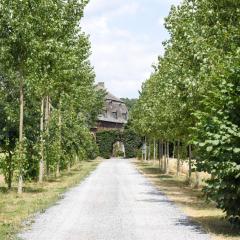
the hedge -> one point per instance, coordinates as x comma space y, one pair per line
106, 139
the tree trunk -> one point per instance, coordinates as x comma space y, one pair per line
159, 155
58, 169
197, 182
47, 114
162, 155
41, 163
145, 150
165, 157
178, 158
168, 157
60, 141
174, 148
20, 179
154, 150
10, 170
190, 163
76, 159
149, 151
69, 167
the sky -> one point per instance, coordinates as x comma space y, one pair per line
126, 38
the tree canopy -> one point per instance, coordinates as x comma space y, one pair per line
194, 94
48, 101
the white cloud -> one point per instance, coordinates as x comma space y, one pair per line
112, 8
122, 57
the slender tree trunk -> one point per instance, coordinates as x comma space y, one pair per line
178, 158
162, 155
41, 163
58, 169
60, 141
47, 114
69, 167
149, 150
20, 178
10, 170
159, 155
165, 157
154, 150
168, 155
190, 163
76, 159
174, 149
197, 183
145, 150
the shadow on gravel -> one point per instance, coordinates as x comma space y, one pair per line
189, 223
152, 200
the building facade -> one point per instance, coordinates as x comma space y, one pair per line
114, 114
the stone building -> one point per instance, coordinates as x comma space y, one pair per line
115, 112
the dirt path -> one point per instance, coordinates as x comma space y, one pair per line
114, 203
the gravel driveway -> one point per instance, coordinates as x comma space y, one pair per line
114, 203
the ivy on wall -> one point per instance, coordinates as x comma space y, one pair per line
132, 143
106, 139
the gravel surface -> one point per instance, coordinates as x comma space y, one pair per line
115, 202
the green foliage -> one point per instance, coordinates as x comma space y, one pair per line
193, 96
132, 142
45, 53
129, 103
106, 139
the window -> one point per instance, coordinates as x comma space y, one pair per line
124, 115
105, 113
114, 114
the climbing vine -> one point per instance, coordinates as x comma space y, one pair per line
106, 139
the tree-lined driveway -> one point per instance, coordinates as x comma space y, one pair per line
114, 203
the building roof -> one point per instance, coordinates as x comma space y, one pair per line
110, 96
115, 110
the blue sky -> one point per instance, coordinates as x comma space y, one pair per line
126, 38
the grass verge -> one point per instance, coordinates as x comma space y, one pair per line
15, 209
191, 201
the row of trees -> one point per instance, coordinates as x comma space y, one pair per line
48, 102
193, 97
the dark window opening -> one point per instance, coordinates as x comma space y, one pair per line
105, 113
124, 115
114, 114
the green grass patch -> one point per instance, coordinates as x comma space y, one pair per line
14, 209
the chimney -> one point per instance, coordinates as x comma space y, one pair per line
101, 85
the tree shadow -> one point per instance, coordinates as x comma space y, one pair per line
4, 190
219, 225
33, 190
185, 221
